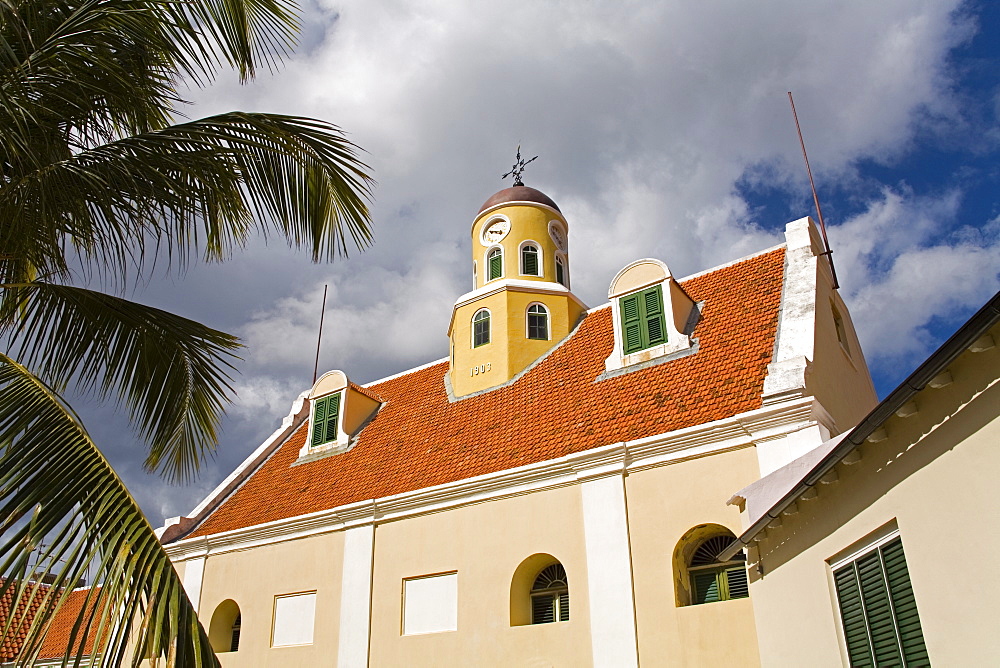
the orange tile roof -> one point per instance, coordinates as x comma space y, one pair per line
56, 638
418, 439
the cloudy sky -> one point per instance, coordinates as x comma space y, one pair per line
663, 130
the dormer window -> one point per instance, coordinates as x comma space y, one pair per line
529, 260
653, 315
339, 411
326, 418
642, 323
494, 263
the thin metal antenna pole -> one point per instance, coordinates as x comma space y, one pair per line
819, 212
319, 337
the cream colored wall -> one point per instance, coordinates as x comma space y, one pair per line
663, 504
254, 577
526, 222
357, 409
484, 543
839, 378
936, 477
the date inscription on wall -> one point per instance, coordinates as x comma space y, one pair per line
481, 368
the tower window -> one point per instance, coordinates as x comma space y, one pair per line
642, 320
495, 262
538, 322
325, 419
529, 260
714, 581
480, 328
561, 271
550, 596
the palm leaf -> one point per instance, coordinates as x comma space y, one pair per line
170, 373
57, 488
202, 185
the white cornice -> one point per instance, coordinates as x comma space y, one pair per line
613, 459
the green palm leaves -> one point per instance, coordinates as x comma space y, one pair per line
94, 179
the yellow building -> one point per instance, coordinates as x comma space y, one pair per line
550, 494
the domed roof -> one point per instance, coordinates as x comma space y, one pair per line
519, 194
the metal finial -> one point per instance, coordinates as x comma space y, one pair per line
518, 169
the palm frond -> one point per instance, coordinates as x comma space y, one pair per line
171, 373
56, 488
202, 185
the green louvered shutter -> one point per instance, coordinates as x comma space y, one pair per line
706, 587
878, 610
911, 636
496, 265
652, 302
543, 609
564, 606
736, 583
852, 615
319, 420
560, 275
530, 260
332, 419
631, 324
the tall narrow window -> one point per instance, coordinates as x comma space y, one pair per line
714, 581
538, 322
495, 262
529, 260
234, 636
878, 610
838, 324
642, 319
561, 271
480, 328
326, 414
550, 596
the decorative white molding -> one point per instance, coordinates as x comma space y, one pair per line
701, 440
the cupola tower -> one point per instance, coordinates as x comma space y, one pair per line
521, 305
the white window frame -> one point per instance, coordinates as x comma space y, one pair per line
472, 330
486, 264
548, 322
538, 252
563, 259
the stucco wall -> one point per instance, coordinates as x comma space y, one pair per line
254, 577
484, 543
664, 503
935, 476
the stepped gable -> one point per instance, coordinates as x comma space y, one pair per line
418, 439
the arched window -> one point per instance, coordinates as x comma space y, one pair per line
562, 276
481, 328
712, 580
224, 629
529, 260
550, 596
538, 322
494, 261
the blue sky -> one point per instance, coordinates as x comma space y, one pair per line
663, 130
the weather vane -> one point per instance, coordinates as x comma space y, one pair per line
518, 168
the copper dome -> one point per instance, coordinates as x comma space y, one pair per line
519, 194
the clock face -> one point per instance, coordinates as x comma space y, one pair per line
495, 231
558, 236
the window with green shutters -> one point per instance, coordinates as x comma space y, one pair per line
326, 413
713, 581
529, 260
495, 264
878, 610
561, 271
642, 319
